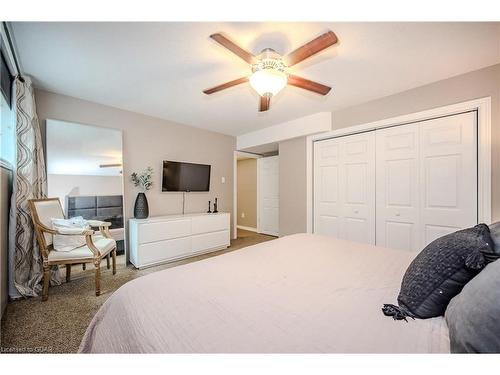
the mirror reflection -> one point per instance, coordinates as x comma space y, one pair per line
84, 170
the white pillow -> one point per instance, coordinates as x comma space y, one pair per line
75, 225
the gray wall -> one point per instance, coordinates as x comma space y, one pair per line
147, 141
473, 85
247, 192
292, 186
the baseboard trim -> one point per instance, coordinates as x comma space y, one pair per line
250, 229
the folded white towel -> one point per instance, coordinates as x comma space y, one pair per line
73, 227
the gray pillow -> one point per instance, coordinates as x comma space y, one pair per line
473, 316
495, 235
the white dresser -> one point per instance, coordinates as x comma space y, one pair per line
167, 238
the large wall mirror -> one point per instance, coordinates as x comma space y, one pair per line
84, 170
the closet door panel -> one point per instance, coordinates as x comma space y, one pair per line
397, 221
448, 176
344, 187
327, 205
359, 187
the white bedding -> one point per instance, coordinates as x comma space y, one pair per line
301, 293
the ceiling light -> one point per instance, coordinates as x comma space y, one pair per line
269, 74
268, 81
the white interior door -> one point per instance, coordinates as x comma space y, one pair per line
397, 193
268, 195
448, 175
344, 185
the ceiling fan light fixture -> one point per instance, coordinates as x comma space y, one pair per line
269, 74
270, 69
268, 81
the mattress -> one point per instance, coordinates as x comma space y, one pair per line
297, 294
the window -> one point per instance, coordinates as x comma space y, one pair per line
7, 117
6, 79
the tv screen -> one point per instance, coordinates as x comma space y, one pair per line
178, 176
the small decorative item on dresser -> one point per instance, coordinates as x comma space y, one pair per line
144, 180
215, 206
209, 211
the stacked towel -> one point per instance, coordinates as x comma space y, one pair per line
72, 227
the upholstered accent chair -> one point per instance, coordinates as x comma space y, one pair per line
97, 246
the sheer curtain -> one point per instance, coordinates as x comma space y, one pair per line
30, 181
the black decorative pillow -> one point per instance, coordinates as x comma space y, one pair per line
473, 316
440, 272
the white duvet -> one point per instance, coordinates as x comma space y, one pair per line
297, 294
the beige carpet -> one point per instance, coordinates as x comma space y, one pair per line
58, 325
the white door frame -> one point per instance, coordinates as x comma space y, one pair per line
483, 107
235, 188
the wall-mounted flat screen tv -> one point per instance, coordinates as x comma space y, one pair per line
179, 176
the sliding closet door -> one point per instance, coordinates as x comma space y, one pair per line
344, 180
448, 175
397, 193
426, 180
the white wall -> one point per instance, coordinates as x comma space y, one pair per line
61, 185
307, 125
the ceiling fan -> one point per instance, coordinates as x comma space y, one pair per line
270, 69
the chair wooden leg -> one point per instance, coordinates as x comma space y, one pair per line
98, 278
84, 266
68, 273
108, 266
46, 280
114, 261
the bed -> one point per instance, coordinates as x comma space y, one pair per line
297, 294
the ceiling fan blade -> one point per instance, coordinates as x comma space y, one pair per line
265, 102
314, 46
308, 85
226, 85
237, 50
110, 165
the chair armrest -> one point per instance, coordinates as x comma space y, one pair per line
74, 232
86, 232
98, 223
103, 227
66, 232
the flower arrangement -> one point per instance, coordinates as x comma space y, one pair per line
144, 179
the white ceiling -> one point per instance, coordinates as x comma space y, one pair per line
160, 69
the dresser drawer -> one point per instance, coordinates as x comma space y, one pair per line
164, 250
151, 232
210, 223
209, 241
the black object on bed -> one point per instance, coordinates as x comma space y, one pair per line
440, 272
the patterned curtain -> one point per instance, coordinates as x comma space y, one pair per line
30, 181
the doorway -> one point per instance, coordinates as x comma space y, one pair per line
256, 195
245, 194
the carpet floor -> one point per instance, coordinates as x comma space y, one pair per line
58, 325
